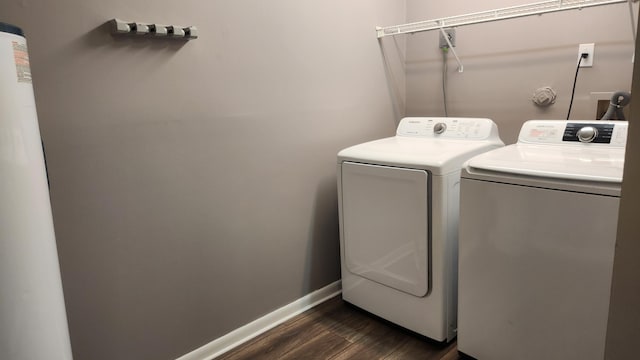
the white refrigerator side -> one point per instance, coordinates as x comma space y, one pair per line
33, 322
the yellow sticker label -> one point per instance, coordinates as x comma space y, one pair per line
21, 59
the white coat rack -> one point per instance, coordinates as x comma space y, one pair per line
121, 27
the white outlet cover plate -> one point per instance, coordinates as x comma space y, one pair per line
586, 48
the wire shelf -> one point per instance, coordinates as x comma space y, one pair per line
493, 15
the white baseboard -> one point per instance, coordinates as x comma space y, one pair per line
249, 331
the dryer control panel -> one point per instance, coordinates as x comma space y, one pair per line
602, 133
447, 128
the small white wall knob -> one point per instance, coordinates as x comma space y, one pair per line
544, 96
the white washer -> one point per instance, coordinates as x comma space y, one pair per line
538, 226
398, 201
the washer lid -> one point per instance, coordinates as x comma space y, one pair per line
577, 163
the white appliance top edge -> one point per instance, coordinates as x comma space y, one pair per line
600, 164
437, 155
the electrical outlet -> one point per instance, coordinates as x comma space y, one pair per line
588, 49
451, 34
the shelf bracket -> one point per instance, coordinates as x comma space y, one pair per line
460, 67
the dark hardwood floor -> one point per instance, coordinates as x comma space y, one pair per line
337, 330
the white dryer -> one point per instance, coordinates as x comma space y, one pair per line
538, 226
398, 201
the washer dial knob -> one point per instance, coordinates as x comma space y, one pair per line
439, 128
587, 134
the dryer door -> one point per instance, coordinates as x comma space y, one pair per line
386, 225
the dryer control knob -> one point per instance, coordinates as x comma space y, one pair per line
439, 128
587, 134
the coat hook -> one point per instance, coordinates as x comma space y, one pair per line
121, 27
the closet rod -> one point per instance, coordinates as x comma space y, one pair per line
493, 15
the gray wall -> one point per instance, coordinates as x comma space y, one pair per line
193, 184
505, 61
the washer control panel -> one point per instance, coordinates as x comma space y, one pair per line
588, 132
603, 133
447, 128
